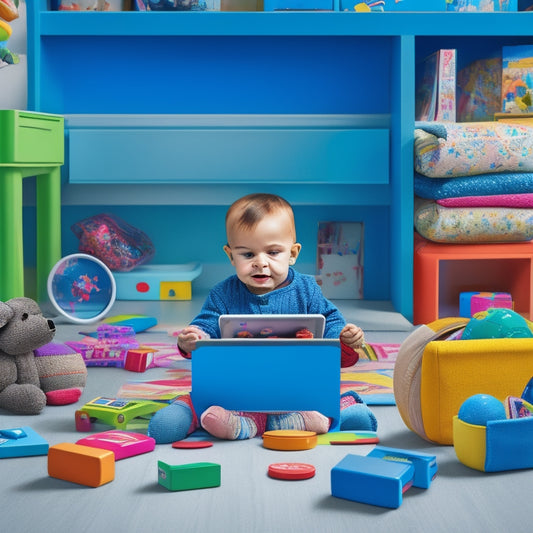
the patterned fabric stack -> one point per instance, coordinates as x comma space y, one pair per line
474, 182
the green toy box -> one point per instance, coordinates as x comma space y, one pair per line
29, 137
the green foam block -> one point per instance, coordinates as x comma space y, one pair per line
188, 476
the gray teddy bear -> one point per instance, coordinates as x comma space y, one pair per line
23, 328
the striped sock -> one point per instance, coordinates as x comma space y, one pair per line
232, 425
299, 420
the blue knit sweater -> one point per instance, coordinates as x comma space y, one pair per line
301, 295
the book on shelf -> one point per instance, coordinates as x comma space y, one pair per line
436, 87
479, 89
340, 259
517, 79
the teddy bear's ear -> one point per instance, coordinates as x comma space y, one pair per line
23, 304
6, 314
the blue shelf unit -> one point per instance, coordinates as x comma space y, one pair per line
178, 114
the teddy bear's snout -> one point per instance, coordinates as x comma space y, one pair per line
51, 325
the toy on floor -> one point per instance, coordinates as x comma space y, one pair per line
139, 323
23, 328
116, 346
471, 303
492, 436
291, 471
289, 439
81, 464
434, 375
383, 476
109, 349
188, 476
348, 437
191, 444
496, 323
114, 412
81, 288
21, 442
122, 443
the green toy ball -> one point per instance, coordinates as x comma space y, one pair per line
480, 409
496, 324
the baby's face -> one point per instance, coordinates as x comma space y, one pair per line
261, 256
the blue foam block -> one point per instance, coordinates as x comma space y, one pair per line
21, 442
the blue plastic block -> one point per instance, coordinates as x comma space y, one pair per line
21, 442
371, 480
425, 465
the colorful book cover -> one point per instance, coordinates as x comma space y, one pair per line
340, 260
517, 79
517, 407
436, 87
446, 86
479, 87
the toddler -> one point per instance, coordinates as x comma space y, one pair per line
262, 246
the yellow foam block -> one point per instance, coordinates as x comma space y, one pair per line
81, 464
452, 371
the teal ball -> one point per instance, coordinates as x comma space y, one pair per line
480, 409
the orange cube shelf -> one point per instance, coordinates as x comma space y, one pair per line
443, 271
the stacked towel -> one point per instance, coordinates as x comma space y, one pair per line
474, 182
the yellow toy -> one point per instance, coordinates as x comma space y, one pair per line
434, 376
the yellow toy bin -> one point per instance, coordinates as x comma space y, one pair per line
433, 377
498, 446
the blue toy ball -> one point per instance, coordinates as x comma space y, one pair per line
496, 324
480, 409
81, 288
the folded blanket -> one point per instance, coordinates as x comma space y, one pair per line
484, 184
494, 200
472, 224
472, 148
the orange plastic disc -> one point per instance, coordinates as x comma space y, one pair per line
289, 439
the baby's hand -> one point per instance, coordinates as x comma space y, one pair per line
188, 337
353, 336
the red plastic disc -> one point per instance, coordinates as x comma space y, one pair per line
189, 444
291, 471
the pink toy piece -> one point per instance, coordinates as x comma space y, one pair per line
109, 349
485, 300
63, 396
474, 302
122, 443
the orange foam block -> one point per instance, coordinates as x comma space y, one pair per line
81, 464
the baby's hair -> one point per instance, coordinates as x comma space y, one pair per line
246, 212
